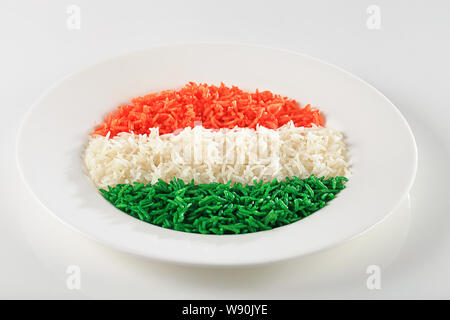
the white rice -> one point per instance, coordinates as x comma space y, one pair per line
205, 155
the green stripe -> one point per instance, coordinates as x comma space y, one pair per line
218, 208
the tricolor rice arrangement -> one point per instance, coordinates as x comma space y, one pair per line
217, 160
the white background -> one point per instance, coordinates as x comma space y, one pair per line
408, 60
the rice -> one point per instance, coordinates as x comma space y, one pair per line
217, 155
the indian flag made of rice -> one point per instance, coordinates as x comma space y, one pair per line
216, 159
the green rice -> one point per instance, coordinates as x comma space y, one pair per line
217, 208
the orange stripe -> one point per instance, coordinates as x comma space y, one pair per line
216, 107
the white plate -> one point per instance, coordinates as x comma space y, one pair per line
53, 136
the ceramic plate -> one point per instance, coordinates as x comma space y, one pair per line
382, 151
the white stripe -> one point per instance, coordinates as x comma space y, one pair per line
205, 155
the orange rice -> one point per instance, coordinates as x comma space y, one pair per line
215, 107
